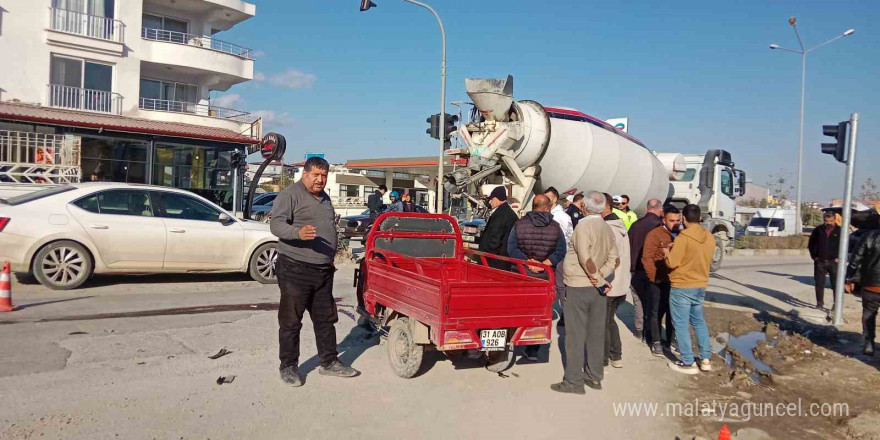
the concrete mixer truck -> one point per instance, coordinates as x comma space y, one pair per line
530, 147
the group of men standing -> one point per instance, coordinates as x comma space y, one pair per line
600, 251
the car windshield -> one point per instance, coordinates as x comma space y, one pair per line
36, 195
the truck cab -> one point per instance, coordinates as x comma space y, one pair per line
712, 182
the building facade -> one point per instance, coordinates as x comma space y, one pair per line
120, 90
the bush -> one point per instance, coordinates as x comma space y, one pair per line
758, 242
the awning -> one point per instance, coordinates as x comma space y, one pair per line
411, 165
349, 179
14, 111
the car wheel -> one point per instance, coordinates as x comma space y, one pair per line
262, 264
63, 265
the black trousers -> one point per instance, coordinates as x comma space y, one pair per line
870, 304
305, 287
613, 350
659, 301
821, 270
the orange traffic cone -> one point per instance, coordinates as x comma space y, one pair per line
5, 289
724, 434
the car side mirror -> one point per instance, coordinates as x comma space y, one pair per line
225, 219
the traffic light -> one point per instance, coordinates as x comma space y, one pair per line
434, 129
837, 149
367, 4
449, 127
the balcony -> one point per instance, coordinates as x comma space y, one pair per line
75, 98
202, 41
83, 31
195, 109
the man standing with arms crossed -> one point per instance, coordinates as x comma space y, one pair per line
303, 220
641, 292
688, 264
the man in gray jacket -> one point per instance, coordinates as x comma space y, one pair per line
303, 219
593, 258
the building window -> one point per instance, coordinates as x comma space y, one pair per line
157, 27
203, 170
374, 173
80, 84
403, 176
114, 160
349, 191
370, 190
168, 96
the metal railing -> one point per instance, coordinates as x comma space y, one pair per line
194, 109
348, 201
29, 158
78, 23
198, 41
84, 99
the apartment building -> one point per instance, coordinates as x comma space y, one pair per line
120, 90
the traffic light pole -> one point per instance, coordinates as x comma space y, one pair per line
846, 213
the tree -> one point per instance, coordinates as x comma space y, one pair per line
870, 190
780, 187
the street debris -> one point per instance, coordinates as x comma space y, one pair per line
220, 354
78, 333
225, 379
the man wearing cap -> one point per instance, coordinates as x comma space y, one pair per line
621, 209
497, 231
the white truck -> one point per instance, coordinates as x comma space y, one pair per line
530, 147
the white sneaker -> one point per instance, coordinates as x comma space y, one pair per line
683, 368
705, 365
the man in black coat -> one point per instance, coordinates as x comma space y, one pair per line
374, 202
638, 231
824, 244
864, 268
497, 231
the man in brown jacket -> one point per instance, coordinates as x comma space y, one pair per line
657, 243
591, 261
689, 262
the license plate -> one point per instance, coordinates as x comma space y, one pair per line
468, 238
494, 340
469, 230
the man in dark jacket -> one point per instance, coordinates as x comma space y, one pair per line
539, 239
865, 269
638, 231
576, 209
497, 231
657, 243
824, 244
374, 201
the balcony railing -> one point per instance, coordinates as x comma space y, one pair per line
198, 41
195, 109
76, 98
72, 22
29, 158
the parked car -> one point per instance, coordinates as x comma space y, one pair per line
358, 225
471, 231
262, 213
63, 235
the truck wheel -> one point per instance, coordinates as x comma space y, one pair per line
405, 355
498, 361
718, 257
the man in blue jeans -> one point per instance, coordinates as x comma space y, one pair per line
688, 261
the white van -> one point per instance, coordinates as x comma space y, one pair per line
773, 222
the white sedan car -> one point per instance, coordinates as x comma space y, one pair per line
63, 235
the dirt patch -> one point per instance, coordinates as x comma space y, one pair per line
818, 385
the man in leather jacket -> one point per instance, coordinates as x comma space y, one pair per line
864, 268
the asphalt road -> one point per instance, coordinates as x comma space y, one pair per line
127, 357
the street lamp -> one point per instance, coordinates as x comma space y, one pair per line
366, 5
803, 52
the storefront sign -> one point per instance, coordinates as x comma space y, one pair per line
273, 146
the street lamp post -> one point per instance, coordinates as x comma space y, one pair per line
367, 4
803, 52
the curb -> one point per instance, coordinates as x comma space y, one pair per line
770, 252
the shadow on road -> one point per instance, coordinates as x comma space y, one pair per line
37, 304
803, 279
776, 294
160, 278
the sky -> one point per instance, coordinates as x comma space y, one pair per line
690, 75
